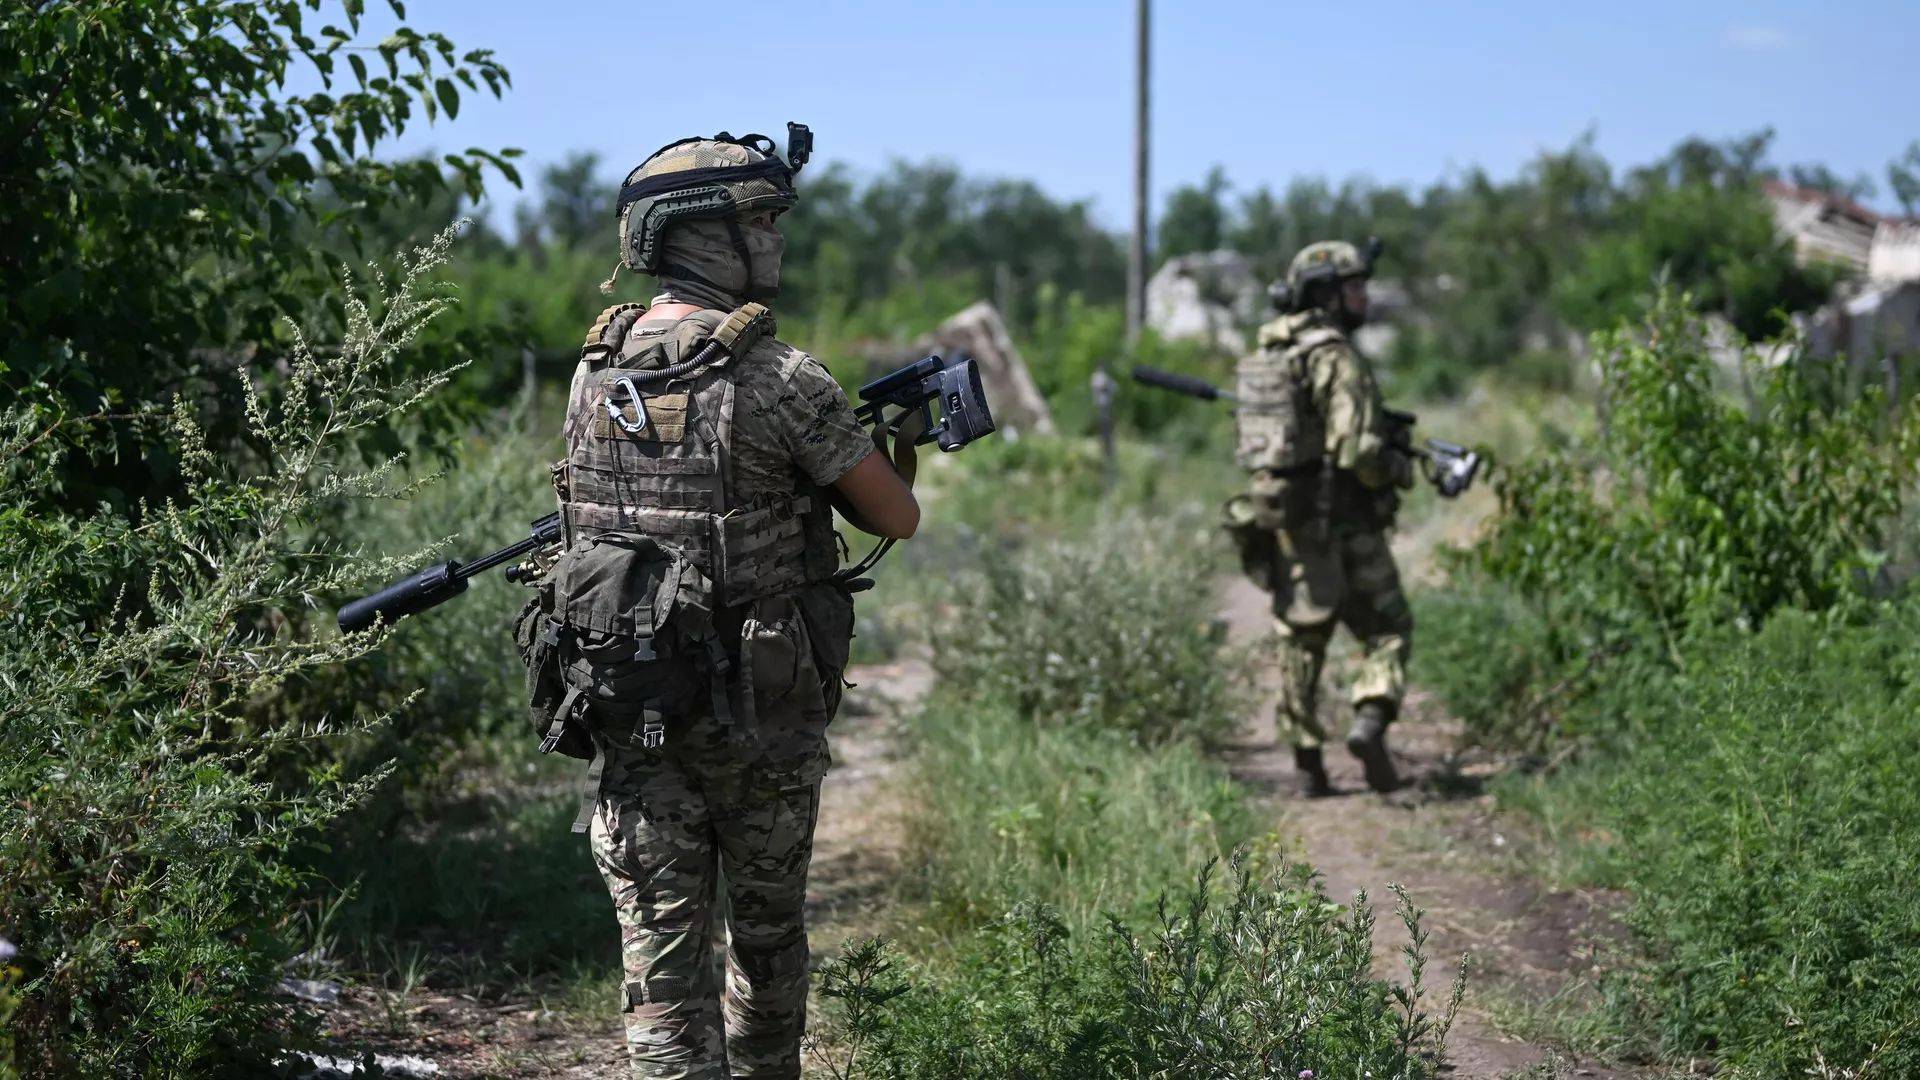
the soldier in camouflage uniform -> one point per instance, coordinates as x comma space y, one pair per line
708, 748
1325, 469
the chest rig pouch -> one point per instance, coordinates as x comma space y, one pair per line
668, 590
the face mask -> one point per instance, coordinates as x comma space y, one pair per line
765, 247
699, 263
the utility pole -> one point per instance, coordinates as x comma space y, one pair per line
1137, 251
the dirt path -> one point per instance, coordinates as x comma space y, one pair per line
458, 1036
1440, 838
1444, 841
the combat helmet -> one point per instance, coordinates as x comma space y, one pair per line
1327, 260
722, 177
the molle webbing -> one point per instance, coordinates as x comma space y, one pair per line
661, 465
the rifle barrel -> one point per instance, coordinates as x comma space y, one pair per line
1181, 384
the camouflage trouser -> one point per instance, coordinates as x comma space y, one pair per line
1347, 579
668, 839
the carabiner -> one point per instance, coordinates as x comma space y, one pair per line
618, 414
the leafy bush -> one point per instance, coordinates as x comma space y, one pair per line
1757, 810
1113, 632
187, 199
1695, 594
147, 808
1693, 505
1264, 979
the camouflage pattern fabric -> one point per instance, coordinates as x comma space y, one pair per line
673, 828
1326, 580
701, 824
791, 422
699, 264
1330, 505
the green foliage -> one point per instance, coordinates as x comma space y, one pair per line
1694, 505
147, 805
850, 244
456, 664
1112, 632
169, 200
1264, 978
1195, 218
1692, 594
1085, 821
1755, 807
1718, 244
1903, 179
1500, 271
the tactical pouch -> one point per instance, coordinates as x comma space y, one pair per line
774, 651
632, 625
828, 613
550, 707
1361, 507
1255, 543
761, 552
1284, 500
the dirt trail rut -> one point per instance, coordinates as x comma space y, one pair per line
1442, 840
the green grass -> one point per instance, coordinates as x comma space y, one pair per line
1085, 821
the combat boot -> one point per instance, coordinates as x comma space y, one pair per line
1368, 742
1313, 772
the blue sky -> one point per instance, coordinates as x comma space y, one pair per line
1400, 92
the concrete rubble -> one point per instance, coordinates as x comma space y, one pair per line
1208, 296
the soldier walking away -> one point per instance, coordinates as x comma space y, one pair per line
1325, 472
690, 638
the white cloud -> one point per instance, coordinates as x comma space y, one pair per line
1759, 39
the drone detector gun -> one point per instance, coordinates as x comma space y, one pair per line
962, 413
1451, 467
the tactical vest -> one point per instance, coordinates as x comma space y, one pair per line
649, 451
1279, 430
669, 586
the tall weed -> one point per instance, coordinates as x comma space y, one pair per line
1757, 807
1698, 594
1695, 504
148, 804
1112, 632
1083, 820
1262, 978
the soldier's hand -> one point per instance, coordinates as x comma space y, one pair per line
1400, 468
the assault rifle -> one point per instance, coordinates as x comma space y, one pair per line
1449, 467
441, 582
962, 416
